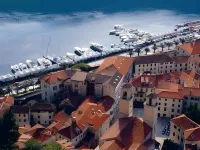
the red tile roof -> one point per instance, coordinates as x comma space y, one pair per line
112, 145
129, 131
192, 134
93, 113
192, 48
169, 94
184, 122
121, 63
43, 107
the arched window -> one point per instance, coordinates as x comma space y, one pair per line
124, 94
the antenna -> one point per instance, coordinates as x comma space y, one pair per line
48, 45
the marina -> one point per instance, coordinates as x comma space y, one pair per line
131, 39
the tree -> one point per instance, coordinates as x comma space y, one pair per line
193, 113
169, 145
2, 93
168, 45
154, 48
162, 46
130, 52
138, 51
176, 43
8, 90
51, 147
32, 145
147, 50
8, 131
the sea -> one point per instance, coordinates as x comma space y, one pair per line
27, 25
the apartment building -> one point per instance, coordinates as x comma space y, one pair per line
21, 115
185, 132
161, 63
53, 84
43, 113
189, 49
96, 115
124, 65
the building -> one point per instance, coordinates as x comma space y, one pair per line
96, 115
126, 101
185, 132
43, 113
161, 63
53, 84
128, 133
22, 115
189, 49
124, 65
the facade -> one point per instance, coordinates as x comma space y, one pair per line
43, 113
185, 132
53, 84
21, 114
126, 101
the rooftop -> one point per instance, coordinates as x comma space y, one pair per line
192, 134
20, 109
122, 64
129, 131
192, 48
184, 122
43, 107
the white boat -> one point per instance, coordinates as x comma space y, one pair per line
31, 64
117, 27
79, 51
112, 32
44, 62
96, 47
15, 68
22, 66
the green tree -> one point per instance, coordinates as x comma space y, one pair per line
8, 131
147, 50
154, 48
170, 145
2, 93
193, 113
51, 147
130, 53
32, 145
168, 45
138, 51
176, 43
162, 46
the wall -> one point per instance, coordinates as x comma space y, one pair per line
45, 117
22, 119
169, 104
176, 134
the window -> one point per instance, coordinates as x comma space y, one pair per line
158, 108
173, 100
179, 130
179, 101
158, 114
19, 115
165, 104
172, 110
19, 120
49, 122
179, 106
54, 94
76, 84
24, 115
178, 111
39, 122
165, 99
61, 85
178, 137
24, 120
49, 117
172, 105
45, 93
38, 116
173, 133
174, 127
172, 116
55, 88
165, 109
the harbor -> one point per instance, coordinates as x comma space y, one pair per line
131, 40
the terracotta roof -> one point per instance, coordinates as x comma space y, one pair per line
169, 94
7, 99
159, 58
79, 76
61, 116
192, 48
192, 134
65, 144
121, 63
24, 137
184, 122
23, 129
70, 132
97, 78
112, 145
32, 130
20, 109
193, 74
181, 59
146, 145
92, 113
43, 107
129, 131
